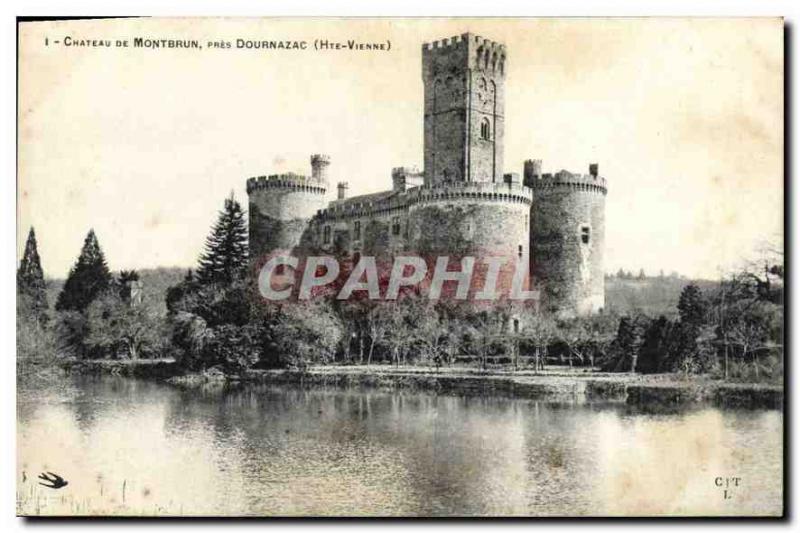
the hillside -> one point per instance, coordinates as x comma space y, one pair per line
155, 283
652, 295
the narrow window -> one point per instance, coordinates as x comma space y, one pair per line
357, 230
395, 226
485, 130
326, 235
519, 252
516, 325
585, 234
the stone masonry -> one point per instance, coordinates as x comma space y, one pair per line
462, 203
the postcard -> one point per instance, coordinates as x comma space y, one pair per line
400, 267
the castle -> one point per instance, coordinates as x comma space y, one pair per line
462, 203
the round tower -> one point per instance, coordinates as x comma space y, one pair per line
485, 221
282, 205
567, 239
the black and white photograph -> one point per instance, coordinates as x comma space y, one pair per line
400, 267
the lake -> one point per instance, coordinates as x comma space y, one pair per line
145, 448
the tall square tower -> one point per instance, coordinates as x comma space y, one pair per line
464, 86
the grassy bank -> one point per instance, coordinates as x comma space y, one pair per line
656, 392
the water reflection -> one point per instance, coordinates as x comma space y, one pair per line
134, 447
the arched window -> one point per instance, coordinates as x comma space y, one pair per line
486, 132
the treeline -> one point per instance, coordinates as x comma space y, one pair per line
732, 330
214, 319
642, 275
96, 314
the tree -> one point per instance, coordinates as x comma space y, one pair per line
31, 293
755, 328
656, 346
693, 311
72, 328
602, 330
225, 257
576, 336
624, 350
431, 334
216, 304
377, 322
540, 332
692, 306
88, 278
301, 334
118, 329
483, 329
402, 321
233, 348
189, 336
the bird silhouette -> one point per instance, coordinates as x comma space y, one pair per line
54, 481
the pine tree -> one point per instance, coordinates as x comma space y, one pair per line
225, 256
692, 306
30, 280
87, 279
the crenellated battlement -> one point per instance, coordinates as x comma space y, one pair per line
564, 178
461, 202
462, 41
467, 49
358, 207
317, 159
512, 193
502, 192
289, 180
405, 171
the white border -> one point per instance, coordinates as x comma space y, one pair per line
10, 9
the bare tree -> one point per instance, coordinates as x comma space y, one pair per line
540, 332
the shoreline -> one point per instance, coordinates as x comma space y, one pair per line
656, 392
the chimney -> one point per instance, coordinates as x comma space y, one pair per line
341, 190
398, 179
593, 169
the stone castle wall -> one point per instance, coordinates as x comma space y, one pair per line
280, 209
567, 270
464, 87
554, 224
455, 220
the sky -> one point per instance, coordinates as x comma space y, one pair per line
684, 117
